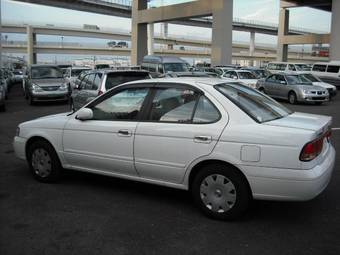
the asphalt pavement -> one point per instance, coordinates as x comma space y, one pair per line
90, 214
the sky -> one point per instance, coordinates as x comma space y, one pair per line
258, 10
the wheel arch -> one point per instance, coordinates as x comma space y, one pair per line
199, 165
35, 138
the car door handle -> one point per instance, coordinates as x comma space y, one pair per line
124, 133
202, 139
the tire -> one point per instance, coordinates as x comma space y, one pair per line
30, 100
43, 162
229, 196
292, 97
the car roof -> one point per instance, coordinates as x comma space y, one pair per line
208, 81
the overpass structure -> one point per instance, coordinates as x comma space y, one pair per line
240, 51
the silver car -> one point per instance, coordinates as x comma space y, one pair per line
97, 82
45, 83
291, 88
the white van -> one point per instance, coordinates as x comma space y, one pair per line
276, 67
328, 72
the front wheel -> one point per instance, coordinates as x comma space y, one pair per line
221, 192
43, 161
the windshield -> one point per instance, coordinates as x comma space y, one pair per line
175, 67
302, 67
114, 79
258, 106
246, 75
46, 72
310, 77
297, 79
76, 72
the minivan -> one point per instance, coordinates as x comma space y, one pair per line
328, 72
157, 65
276, 67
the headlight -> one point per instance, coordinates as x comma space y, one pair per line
36, 88
306, 91
17, 132
63, 87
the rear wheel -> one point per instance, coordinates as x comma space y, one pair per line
292, 97
221, 192
43, 161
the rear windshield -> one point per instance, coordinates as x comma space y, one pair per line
114, 79
246, 75
258, 106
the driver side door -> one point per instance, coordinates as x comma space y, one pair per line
105, 142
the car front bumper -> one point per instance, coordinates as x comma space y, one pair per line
314, 98
290, 184
50, 96
19, 145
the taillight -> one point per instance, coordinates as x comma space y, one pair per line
313, 149
100, 92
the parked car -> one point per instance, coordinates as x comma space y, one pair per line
17, 76
72, 73
328, 72
97, 82
158, 65
276, 67
222, 70
221, 140
308, 77
243, 76
258, 72
291, 88
45, 83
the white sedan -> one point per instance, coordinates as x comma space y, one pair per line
223, 141
244, 76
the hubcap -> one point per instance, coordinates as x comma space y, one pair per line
218, 193
41, 162
292, 98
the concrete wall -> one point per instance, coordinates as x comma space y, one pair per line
335, 31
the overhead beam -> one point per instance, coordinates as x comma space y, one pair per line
306, 39
195, 9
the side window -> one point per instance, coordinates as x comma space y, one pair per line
233, 74
83, 81
319, 68
124, 105
280, 79
205, 112
96, 82
89, 81
333, 69
291, 67
153, 68
227, 75
271, 78
145, 66
173, 105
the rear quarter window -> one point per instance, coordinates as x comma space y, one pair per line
333, 69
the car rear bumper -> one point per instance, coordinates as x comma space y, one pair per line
19, 145
290, 184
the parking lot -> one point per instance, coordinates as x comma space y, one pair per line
89, 214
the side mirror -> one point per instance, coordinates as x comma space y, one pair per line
84, 114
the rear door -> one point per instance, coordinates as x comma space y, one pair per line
181, 124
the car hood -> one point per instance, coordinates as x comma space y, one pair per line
48, 82
311, 87
313, 122
324, 85
55, 121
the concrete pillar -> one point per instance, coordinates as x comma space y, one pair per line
150, 38
282, 49
252, 47
222, 26
165, 30
335, 35
31, 40
139, 34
